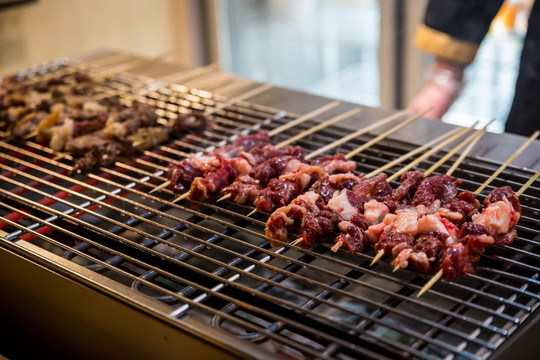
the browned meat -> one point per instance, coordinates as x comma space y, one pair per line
318, 225
439, 187
426, 251
465, 205
287, 217
409, 182
243, 189
329, 184
376, 188
455, 261
202, 187
335, 164
390, 239
352, 238
60, 110
498, 194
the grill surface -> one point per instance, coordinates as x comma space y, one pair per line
210, 262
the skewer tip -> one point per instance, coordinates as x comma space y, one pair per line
396, 268
297, 241
160, 187
337, 246
181, 197
224, 197
430, 283
377, 257
30, 135
253, 212
58, 157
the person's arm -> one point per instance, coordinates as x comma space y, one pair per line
441, 90
452, 32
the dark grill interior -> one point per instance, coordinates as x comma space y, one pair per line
211, 262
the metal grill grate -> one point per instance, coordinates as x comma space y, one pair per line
211, 262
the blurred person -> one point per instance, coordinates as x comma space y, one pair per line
452, 31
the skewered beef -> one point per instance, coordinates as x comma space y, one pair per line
68, 113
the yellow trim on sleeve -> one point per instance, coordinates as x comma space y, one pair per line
444, 45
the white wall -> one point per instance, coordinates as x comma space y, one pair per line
48, 29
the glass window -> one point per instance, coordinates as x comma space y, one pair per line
324, 47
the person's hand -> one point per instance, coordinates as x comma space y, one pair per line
440, 91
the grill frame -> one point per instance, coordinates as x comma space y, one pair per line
254, 351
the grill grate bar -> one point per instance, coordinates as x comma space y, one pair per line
246, 305
344, 309
513, 304
232, 300
241, 322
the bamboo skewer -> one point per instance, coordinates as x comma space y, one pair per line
467, 150
510, 159
305, 117
439, 274
252, 212
528, 183
377, 257
430, 283
181, 197
239, 98
412, 153
469, 140
386, 134
362, 131
432, 151
357, 133
224, 197
161, 187
319, 127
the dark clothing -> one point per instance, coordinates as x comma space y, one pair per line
467, 22
524, 117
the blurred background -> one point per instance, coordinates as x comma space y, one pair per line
354, 50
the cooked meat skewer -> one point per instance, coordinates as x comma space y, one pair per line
451, 259
262, 173
274, 228
283, 128
379, 123
280, 192
245, 185
356, 231
213, 110
382, 250
72, 114
338, 203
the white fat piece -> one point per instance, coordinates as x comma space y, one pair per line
407, 223
309, 199
292, 166
496, 216
431, 222
341, 205
375, 211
